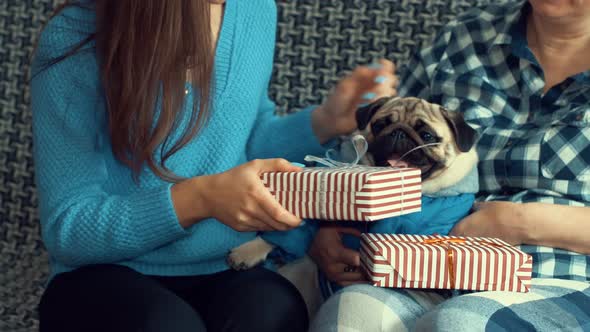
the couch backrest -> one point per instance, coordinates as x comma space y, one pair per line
318, 41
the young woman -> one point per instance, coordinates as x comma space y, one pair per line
151, 127
520, 74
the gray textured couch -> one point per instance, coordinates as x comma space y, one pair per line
317, 42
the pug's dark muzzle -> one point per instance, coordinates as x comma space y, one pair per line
396, 144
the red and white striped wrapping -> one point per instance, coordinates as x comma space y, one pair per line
445, 262
347, 193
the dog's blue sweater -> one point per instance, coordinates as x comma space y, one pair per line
91, 210
439, 213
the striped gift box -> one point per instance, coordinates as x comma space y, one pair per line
347, 193
445, 262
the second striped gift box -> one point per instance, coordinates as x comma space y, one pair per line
357, 193
445, 262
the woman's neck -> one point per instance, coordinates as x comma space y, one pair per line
558, 35
560, 45
216, 21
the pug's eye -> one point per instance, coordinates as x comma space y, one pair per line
380, 124
428, 137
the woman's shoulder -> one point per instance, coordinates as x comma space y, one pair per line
494, 14
260, 10
65, 58
256, 22
64, 31
480, 24
79, 19
261, 5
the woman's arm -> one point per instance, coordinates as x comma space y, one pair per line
304, 132
296, 135
559, 226
290, 136
82, 222
551, 225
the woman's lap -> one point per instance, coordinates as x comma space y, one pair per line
116, 298
551, 305
112, 298
368, 308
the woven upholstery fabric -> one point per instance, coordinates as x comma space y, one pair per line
23, 262
317, 42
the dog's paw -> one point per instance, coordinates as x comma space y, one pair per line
249, 254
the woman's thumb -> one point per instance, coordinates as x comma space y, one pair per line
278, 165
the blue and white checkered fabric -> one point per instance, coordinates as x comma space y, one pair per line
551, 305
533, 146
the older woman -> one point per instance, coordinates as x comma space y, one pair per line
520, 73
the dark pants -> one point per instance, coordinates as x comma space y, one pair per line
116, 298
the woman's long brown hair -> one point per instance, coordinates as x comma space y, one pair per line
145, 49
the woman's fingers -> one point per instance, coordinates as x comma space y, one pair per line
349, 257
342, 273
275, 211
247, 224
270, 211
349, 277
394, 82
387, 65
272, 224
273, 165
378, 79
239, 199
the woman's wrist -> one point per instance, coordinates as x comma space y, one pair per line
189, 202
520, 213
535, 221
326, 127
558, 226
319, 125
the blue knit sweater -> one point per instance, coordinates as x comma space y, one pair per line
91, 210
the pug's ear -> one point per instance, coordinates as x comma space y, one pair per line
464, 135
365, 114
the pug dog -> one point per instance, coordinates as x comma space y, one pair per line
400, 132
429, 137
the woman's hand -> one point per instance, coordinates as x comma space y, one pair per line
236, 198
339, 263
365, 84
542, 224
503, 220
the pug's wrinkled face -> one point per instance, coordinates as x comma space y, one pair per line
411, 132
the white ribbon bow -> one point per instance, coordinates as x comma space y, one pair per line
360, 145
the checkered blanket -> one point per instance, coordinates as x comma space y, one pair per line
552, 305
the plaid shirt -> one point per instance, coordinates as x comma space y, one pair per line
533, 146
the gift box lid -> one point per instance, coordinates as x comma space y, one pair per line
363, 180
434, 261
347, 193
